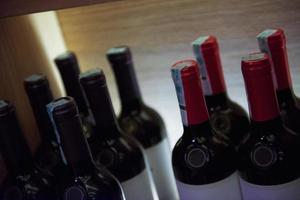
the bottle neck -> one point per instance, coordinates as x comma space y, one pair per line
102, 110
286, 97
74, 147
266, 127
135, 105
211, 72
15, 151
273, 43
82, 168
70, 74
191, 101
127, 85
262, 100
217, 101
195, 131
38, 101
281, 67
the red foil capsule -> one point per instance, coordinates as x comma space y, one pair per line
206, 50
187, 82
273, 42
259, 85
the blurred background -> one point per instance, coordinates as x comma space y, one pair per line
158, 32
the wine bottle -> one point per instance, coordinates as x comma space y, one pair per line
24, 181
69, 69
88, 182
47, 156
204, 164
227, 117
143, 122
273, 42
121, 155
270, 167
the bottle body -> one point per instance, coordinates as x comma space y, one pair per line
204, 163
268, 167
120, 154
97, 185
143, 123
269, 164
148, 128
204, 168
125, 160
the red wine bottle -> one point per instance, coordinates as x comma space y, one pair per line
39, 94
69, 70
88, 181
143, 122
204, 164
24, 180
122, 156
273, 42
227, 117
270, 165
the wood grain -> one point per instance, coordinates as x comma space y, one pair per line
21, 7
160, 33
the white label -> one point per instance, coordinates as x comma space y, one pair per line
138, 187
202, 65
287, 191
159, 157
262, 39
176, 75
226, 189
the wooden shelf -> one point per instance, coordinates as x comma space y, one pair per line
17, 7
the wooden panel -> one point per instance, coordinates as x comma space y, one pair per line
22, 7
28, 45
160, 32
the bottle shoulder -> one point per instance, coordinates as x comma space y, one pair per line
48, 159
230, 122
34, 185
122, 156
203, 160
270, 156
145, 124
291, 116
99, 184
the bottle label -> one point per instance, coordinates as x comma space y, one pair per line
159, 157
262, 39
228, 189
207, 89
288, 191
139, 187
176, 75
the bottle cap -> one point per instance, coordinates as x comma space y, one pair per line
35, 81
